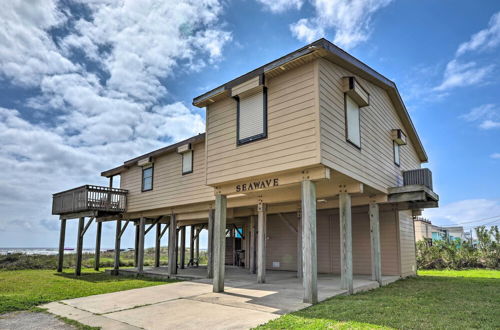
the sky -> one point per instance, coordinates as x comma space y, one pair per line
86, 85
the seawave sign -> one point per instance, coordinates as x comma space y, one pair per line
257, 185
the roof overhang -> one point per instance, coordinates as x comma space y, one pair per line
323, 48
152, 154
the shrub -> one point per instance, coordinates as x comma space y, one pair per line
452, 254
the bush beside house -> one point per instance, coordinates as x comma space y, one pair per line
453, 254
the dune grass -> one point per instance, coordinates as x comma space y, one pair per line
25, 289
436, 299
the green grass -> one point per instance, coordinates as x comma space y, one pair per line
25, 289
468, 299
478, 273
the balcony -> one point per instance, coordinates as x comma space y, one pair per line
416, 189
95, 200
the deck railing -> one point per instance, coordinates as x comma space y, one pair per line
420, 176
90, 198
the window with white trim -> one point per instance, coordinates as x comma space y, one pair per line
252, 117
352, 121
397, 155
147, 178
187, 162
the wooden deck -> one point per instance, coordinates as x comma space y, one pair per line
90, 198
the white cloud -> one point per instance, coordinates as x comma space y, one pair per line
488, 116
495, 155
484, 39
462, 74
93, 119
490, 124
350, 20
307, 31
27, 52
480, 112
464, 211
279, 6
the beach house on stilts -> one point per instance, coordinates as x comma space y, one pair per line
310, 164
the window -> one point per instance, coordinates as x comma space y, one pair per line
352, 119
147, 178
252, 117
187, 162
396, 153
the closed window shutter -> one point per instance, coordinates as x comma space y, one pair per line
187, 162
251, 117
396, 153
352, 110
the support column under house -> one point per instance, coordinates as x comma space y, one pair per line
219, 240
346, 274
309, 247
261, 242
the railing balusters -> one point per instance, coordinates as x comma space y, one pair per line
89, 198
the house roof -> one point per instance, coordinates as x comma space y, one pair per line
155, 153
324, 48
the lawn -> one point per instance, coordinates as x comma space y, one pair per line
25, 289
435, 300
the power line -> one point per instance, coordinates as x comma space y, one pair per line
485, 224
470, 221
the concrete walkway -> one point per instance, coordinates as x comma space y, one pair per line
193, 305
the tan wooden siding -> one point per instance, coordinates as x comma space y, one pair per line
374, 163
282, 243
170, 187
407, 238
291, 141
423, 230
389, 244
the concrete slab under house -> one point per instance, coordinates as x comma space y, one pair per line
310, 168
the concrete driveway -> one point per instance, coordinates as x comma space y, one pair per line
193, 305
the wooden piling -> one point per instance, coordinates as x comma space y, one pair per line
157, 244
140, 254
309, 245
62, 236
79, 246
219, 241
210, 248
375, 243
183, 247
117, 247
172, 243
97, 258
346, 275
261, 244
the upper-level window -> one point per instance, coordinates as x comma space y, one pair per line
187, 162
398, 139
396, 147
352, 121
147, 178
252, 117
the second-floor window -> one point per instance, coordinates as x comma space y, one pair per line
252, 117
397, 156
147, 178
187, 162
352, 121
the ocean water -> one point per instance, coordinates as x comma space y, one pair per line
40, 251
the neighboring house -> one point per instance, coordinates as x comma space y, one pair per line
425, 230
312, 159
